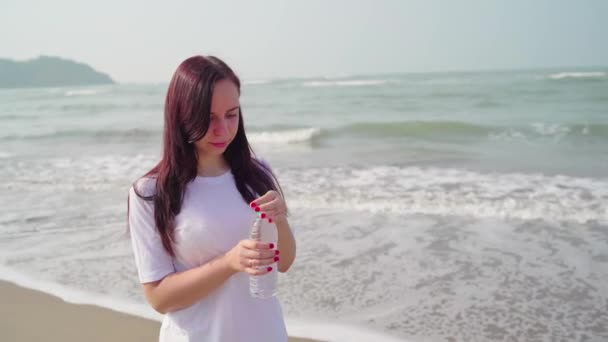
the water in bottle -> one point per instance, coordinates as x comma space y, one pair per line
263, 286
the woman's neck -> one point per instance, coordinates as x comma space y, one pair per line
211, 166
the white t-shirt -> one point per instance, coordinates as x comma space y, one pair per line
213, 219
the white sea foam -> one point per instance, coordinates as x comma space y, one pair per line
550, 128
256, 82
335, 332
450, 192
543, 131
565, 75
69, 174
344, 83
286, 136
82, 92
380, 189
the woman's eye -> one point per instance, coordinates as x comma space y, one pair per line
232, 115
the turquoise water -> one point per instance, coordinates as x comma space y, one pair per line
478, 120
465, 205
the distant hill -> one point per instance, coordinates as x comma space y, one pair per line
47, 71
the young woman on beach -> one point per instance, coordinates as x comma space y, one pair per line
190, 216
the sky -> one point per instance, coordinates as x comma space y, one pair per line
144, 41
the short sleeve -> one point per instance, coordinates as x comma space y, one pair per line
152, 260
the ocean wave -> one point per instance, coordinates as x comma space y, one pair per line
344, 83
456, 129
577, 75
20, 116
377, 189
449, 192
82, 92
435, 130
75, 174
554, 131
281, 136
290, 136
256, 82
416, 129
83, 133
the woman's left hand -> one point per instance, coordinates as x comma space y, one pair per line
272, 204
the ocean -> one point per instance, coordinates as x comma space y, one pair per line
462, 206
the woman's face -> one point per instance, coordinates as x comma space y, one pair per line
224, 120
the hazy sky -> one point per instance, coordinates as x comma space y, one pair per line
144, 41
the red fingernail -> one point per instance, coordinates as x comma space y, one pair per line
253, 205
257, 209
269, 220
269, 269
271, 246
276, 252
263, 215
276, 258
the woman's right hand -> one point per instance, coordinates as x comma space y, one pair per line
249, 255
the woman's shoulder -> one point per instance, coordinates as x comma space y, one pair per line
144, 186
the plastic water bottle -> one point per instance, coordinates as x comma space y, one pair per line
263, 286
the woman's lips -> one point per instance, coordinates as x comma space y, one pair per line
219, 145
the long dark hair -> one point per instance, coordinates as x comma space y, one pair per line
187, 116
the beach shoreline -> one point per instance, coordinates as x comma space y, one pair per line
31, 315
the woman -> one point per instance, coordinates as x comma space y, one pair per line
189, 217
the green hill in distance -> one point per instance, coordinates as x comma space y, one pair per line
48, 71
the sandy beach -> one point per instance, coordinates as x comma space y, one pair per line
29, 315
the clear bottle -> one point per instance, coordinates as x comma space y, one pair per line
263, 286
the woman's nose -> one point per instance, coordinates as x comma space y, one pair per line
220, 127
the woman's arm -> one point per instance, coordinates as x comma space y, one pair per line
182, 289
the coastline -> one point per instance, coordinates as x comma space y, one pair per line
31, 315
